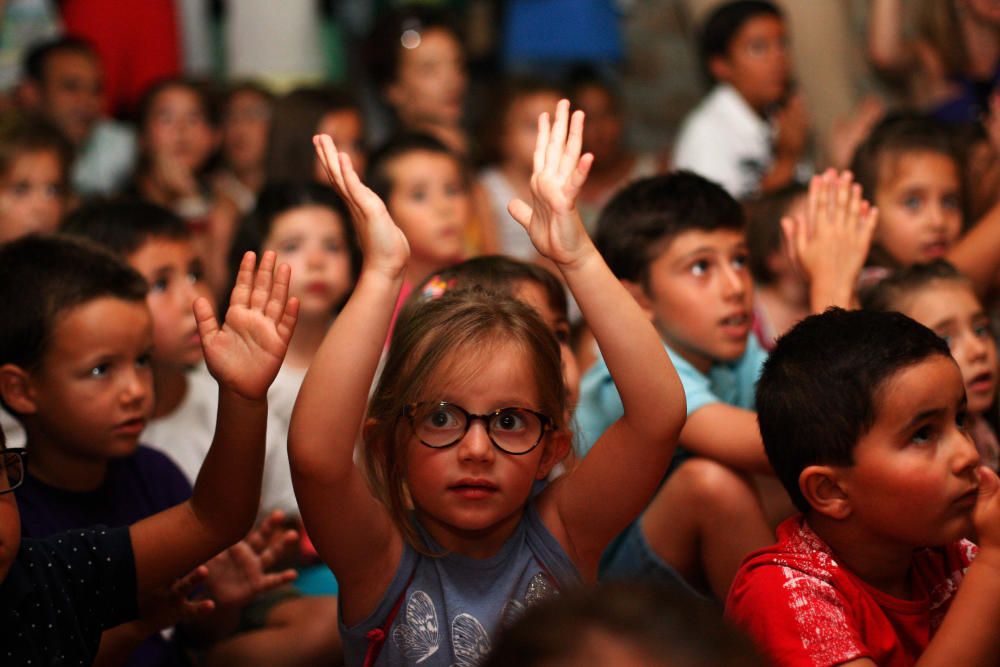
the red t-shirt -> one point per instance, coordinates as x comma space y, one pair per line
801, 608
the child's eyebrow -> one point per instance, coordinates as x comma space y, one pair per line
934, 413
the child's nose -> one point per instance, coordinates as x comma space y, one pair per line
733, 284
476, 444
137, 386
965, 456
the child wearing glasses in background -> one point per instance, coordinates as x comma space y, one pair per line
469, 413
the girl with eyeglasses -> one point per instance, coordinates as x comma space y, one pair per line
442, 542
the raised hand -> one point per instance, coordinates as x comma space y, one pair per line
383, 244
245, 353
829, 245
240, 573
552, 222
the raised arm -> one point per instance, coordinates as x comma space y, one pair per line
243, 355
609, 488
350, 529
886, 48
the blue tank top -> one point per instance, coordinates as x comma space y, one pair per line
448, 608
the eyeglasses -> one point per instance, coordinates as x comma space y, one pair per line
12, 462
439, 424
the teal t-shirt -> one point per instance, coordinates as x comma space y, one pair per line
732, 383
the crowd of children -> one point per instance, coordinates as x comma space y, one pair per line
522, 396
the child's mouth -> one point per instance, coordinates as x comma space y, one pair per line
981, 383
737, 324
131, 426
474, 489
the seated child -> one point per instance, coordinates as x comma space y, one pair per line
425, 187
34, 162
750, 133
158, 244
909, 168
863, 416
469, 413
781, 296
939, 297
247, 111
516, 121
74, 368
676, 242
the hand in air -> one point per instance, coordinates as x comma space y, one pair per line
245, 353
832, 241
241, 572
552, 222
383, 244
166, 607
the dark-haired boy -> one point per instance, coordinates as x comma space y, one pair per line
74, 354
863, 419
749, 134
63, 81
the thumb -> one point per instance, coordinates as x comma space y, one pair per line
989, 483
520, 211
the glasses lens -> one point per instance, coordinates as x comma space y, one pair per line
14, 471
516, 430
438, 425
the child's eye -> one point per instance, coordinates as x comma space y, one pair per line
739, 261
441, 418
287, 248
195, 276
562, 334
454, 189
962, 420
922, 435
912, 203
700, 267
509, 420
142, 361
951, 202
159, 285
333, 246
418, 195
20, 188
983, 330
100, 370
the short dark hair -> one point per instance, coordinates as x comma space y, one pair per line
123, 226
898, 133
379, 162
721, 26
764, 235
638, 222
22, 134
277, 198
36, 58
889, 293
296, 119
665, 626
42, 277
819, 392
384, 48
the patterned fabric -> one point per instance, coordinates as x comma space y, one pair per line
802, 608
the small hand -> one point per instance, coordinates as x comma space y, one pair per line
830, 244
244, 355
168, 607
383, 244
552, 221
240, 573
986, 513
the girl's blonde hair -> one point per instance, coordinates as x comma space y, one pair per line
458, 331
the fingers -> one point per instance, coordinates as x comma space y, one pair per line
240, 296
278, 299
557, 140
541, 142
327, 152
579, 175
204, 315
263, 281
520, 211
286, 325
574, 145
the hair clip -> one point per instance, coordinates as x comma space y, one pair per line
435, 287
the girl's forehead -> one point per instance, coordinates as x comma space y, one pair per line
496, 367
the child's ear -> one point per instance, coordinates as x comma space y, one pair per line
16, 389
720, 69
821, 486
555, 450
639, 294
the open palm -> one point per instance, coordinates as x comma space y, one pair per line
245, 353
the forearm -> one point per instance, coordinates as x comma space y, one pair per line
968, 634
321, 439
227, 491
885, 35
650, 390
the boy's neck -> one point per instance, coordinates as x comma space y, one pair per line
309, 334
880, 564
170, 384
54, 466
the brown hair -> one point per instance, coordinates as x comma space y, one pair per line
25, 134
889, 294
764, 236
459, 330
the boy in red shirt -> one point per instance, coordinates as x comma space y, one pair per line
863, 419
